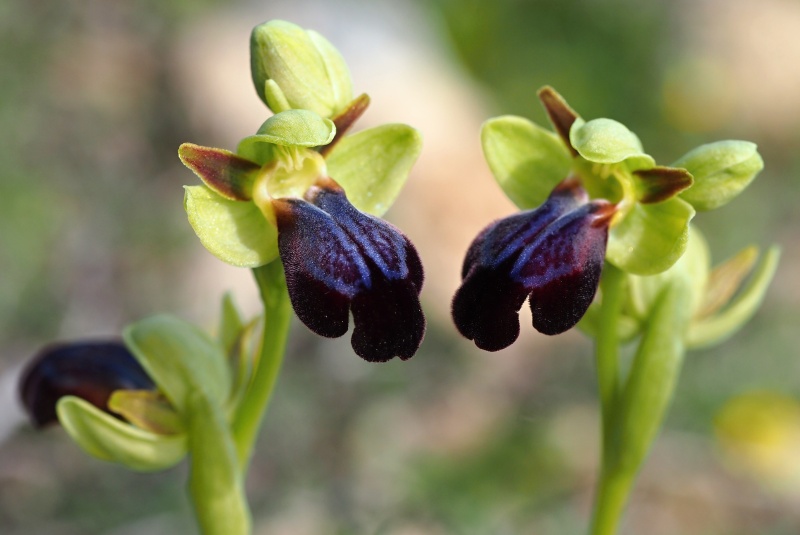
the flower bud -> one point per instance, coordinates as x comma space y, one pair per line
297, 68
88, 370
721, 171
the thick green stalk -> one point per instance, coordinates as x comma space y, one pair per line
607, 353
640, 407
277, 317
215, 482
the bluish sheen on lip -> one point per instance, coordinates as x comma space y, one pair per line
552, 255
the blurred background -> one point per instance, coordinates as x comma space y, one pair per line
95, 98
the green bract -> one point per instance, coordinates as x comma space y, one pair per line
296, 68
655, 204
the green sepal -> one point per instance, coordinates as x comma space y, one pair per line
373, 165
235, 232
309, 71
526, 160
692, 268
656, 366
180, 358
719, 327
293, 128
110, 439
721, 171
146, 409
229, 175
604, 141
650, 237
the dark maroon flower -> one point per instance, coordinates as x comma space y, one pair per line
88, 370
338, 260
552, 255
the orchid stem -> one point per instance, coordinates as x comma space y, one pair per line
612, 487
277, 317
608, 353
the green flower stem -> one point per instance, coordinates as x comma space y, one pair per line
613, 489
277, 317
215, 482
638, 411
607, 353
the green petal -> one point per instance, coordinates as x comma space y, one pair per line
146, 409
604, 140
221, 170
651, 237
373, 165
235, 232
110, 439
721, 171
525, 159
181, 358
657, 184
296, 128
719, 327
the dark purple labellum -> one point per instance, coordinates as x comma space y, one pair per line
553, 255
338, 260
88, 370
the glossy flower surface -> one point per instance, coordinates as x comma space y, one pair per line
552, 255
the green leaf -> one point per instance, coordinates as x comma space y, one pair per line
604, 140
654, 373
525, 159
181, 359
373, 165
295, 128
236, 232
310, 72
103, 436
721, 171
651, 237
721, 326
